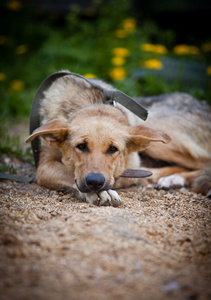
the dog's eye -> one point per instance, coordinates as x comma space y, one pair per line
112, 149
83, 147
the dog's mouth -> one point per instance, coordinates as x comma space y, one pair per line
93, 182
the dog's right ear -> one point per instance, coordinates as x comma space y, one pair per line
54, 133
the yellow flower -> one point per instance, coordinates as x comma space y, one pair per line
118, 73
209, 71
120, 33
118, 61
152, 64
90, 75
129, 25
180, 49
2, 77
160, 49
3, 39
206, 47
14, 5
147, 47
22, 49
17, 85
120, 51
185, 49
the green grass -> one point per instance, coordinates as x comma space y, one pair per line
13, 147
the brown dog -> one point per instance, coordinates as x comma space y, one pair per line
87, 145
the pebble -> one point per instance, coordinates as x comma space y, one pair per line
172, 286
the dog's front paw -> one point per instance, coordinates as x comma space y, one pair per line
91, 198
105, 198
172, 181
109, 197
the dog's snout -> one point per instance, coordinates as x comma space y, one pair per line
95, 181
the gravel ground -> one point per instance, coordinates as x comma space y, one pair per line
156, 245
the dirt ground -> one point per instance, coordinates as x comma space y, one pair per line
156, 245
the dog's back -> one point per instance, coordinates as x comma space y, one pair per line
69, 93
62, 99
186, 120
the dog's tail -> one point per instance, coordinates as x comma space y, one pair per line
202, 182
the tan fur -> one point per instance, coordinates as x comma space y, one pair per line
73, 116
188, 123
100, 127
81, 136
202, 182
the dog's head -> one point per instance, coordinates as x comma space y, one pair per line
95, 144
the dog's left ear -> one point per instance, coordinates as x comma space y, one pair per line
54, 133
141, 136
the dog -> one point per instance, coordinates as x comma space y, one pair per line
86, 144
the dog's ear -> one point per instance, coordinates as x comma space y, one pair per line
141, 136
54, 133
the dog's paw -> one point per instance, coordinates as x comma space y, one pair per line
91, 198
172, 181
105, 198
109, 197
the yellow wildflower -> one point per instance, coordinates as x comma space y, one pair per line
147, 47
160, 49
121, 51
118, 61
120, 33
17, 85
209, 71
22, 49
2, 77
3, 39
152, 64
129, 25
90, 75
118, 73
14, 5
185, 49
180, 49
206, 47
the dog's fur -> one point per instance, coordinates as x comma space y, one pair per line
188, 123
87, 145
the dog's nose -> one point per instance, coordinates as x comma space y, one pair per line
95, 181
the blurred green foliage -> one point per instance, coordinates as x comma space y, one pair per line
34, 45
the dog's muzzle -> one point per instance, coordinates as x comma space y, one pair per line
94, 182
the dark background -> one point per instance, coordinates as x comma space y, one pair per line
190, 19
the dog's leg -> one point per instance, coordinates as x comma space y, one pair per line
172, 177
202, 182
54, 175
158, 173
51, 172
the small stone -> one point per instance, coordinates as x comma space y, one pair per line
172, 286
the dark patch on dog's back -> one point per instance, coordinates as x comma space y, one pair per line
181, 102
